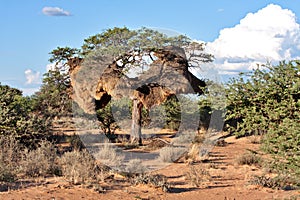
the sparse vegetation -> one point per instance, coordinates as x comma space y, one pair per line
197, 175
79, 167
108, 155
170, 154
135, 166
278, 182
39, 161
249, 158
156, 180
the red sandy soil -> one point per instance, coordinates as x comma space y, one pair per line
227, 181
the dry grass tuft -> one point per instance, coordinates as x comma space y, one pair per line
197, 175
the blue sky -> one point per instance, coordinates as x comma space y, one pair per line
29, 30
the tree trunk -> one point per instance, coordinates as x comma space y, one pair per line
136, 133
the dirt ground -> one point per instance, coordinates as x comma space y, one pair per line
226, 181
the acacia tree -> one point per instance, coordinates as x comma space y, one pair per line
127, 49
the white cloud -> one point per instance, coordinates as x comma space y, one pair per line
271, 34
29, 91
32, 77
54, 66
55, 11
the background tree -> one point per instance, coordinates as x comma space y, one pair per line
18, 118
54, 98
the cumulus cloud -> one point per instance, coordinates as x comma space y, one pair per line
55, 11
269, 35
32, 77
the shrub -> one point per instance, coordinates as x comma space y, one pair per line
157, 180
79, 167
249, 159
10, 151
6, 174
197, 175
267, 102
18, 119
263, 98
107, 154
171, 154
40, 161
135, 166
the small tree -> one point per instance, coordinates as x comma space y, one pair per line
107, 122
54, 98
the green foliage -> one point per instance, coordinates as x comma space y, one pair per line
53, 99
264, 98
18, 119
107, 122
267, 103
62, 54
283, 143
173, 113
212, 106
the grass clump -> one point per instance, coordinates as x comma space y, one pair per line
156, 180
171, 154
108, 155
197, 175
277, 182
249, 158
135, 166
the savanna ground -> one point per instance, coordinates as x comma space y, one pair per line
218, 176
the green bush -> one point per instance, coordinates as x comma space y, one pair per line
18, 119
267, 102
260, 100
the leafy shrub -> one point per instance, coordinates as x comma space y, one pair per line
283, 145
18, 119
267, 102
